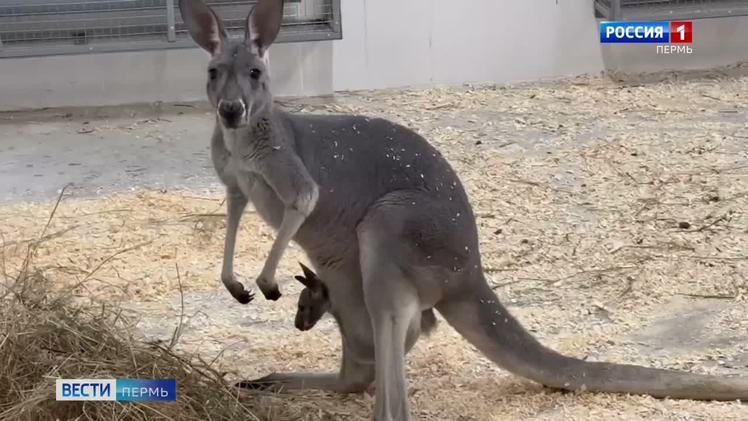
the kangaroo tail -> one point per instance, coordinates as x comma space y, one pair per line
483, 321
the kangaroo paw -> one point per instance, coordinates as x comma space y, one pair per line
238, 291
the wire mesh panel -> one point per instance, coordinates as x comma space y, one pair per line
48, 27
669, 9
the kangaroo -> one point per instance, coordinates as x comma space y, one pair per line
314, 302
386, 222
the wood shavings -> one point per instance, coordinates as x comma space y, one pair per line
578, 187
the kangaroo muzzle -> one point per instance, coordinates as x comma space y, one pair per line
233, 113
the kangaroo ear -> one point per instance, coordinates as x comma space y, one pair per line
263, 25
203, 25
308, 272
304, 281
310, 279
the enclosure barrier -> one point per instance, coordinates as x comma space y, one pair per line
53, 27
632, 10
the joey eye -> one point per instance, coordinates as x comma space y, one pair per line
301, 308
212, 73
255, 73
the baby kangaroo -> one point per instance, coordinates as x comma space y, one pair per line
386, 222
314, 302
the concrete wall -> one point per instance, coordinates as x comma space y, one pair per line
418, 42
386, 43
148, 76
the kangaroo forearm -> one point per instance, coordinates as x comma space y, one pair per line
305, 199
299, 193
292, 221
235, 205
291, 182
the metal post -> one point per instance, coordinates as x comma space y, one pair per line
170, 21
337, 28
616, 12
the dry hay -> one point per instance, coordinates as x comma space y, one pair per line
46, 333
601, 208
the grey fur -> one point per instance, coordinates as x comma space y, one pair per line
386, 223
314, 302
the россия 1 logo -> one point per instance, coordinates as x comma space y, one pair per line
679, 33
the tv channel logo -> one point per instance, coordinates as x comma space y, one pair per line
674, 32
122, 390
681, 32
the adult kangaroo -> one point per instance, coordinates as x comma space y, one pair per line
386, 223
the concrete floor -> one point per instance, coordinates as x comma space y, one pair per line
112, 151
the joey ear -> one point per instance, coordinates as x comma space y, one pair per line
204, 26
305, 281
308, 272
310, 279
263, 25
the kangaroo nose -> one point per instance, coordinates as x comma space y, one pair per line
231, 109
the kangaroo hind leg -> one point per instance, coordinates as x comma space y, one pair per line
393, 305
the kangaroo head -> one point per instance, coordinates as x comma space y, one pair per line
314, 300
238, 79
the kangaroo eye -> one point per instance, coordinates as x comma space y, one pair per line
301, 308
255, 73
212, 73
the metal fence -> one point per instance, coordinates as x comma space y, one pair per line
669, 9
52, 27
